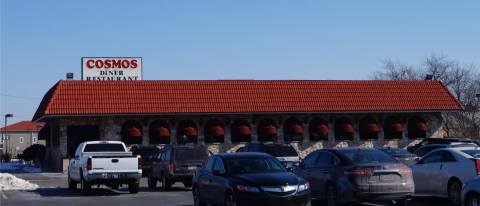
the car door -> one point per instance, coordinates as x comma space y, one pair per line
218, 182
156, 164
305, 170
324, 170
426, 172
203, 179
448, 167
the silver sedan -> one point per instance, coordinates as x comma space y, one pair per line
471, 193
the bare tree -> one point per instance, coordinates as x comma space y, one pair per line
463, 81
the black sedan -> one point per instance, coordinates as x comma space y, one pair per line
400, 154
248, 179
354, 175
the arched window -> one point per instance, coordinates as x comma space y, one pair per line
369, 128
318, 129
187, 132
241, 131
132, 132
393, 128
159, 132
344, 129
293, 130
214, 131
267, 130
417, 128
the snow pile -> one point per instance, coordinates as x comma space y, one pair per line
10, 182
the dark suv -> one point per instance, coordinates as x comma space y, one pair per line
285, 153
176, 163
147, 152
448, 140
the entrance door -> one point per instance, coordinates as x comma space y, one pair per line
79, 134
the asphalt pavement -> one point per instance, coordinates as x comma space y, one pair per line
53, 191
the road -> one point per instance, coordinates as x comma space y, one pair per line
53, 192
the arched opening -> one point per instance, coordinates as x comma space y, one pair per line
344, 129
187, 132
241, 131
318, 129
267, 130
214, 131
369, 128
293, 130
132, 132
417, 128
393, 128
159, 132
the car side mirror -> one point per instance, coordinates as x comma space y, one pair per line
217, 173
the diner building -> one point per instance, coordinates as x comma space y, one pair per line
226, 114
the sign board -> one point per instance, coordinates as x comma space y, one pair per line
111, 68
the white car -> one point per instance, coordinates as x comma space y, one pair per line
443, 172
104, 162
471, 193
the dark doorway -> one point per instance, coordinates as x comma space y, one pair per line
79, 134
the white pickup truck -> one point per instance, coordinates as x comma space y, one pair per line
104, 162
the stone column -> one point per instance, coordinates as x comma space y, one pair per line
63, 140
254, 131
228, 133
306, 132
146, 135
280, 135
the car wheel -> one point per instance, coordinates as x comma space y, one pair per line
166, 185
229, 200
473, 200
152, 183
331, 195
85, 187
133, 187
71, 183
454, 192
197, 200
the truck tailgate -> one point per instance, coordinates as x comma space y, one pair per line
114, 164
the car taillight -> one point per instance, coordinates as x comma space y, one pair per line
171, 168
89, 164
405, 171
360, 171
477, 165
140, 163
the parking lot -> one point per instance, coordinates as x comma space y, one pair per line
53, 191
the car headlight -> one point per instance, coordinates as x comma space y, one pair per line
243, 188
303, 187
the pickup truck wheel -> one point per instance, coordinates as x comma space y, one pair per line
85, 187
152, 183
166, 184
71, 184
133, 187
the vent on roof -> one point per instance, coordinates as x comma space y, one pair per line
69, 76
428, 77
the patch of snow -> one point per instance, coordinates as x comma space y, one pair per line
10, 182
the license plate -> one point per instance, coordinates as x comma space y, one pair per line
192, 168
387, 178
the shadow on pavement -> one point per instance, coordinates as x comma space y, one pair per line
64, 192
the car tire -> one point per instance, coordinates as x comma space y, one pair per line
166, 184
72, 185
472, 200
331, 196
454, 192
85, 187
229, 200
197, 200
133, 187
187, 183
152, 183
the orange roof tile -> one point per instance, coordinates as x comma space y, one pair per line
73, 97
23, 126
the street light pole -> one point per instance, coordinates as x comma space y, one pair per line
5, 132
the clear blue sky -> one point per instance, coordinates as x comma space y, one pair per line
248, 39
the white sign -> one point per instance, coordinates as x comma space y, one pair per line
111, 68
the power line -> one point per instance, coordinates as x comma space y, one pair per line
18, 97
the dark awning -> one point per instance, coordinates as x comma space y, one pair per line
190, 131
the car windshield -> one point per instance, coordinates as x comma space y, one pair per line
281, 151
247, 165
363, 156
198, 153
104, 148
473, 152
395, 151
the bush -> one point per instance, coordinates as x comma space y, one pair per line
34, 153
5, 157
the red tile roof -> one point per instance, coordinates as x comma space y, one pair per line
73, 97
23, 126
